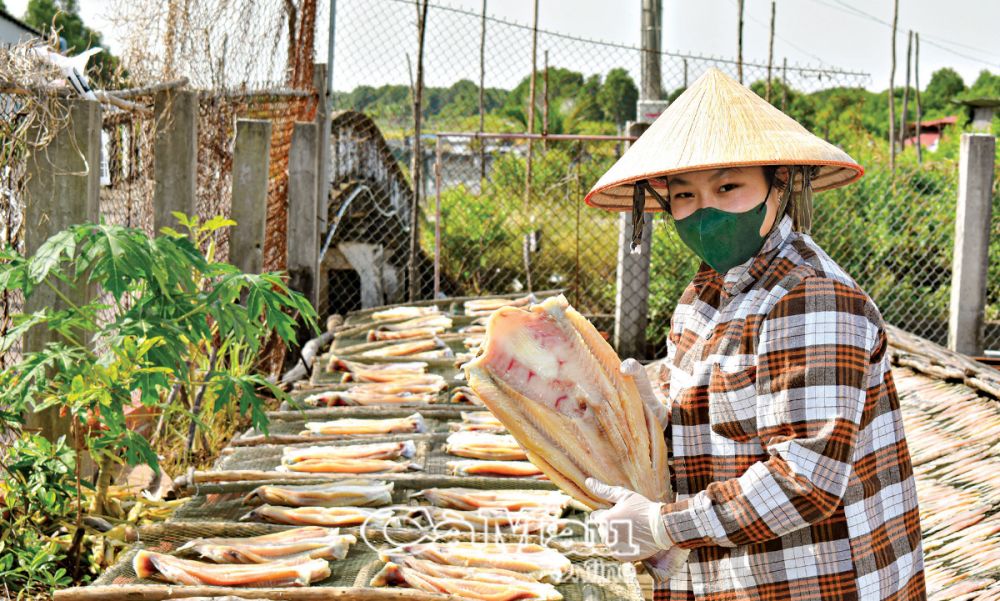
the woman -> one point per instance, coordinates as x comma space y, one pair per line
792, 473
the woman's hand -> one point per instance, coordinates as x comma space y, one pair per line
633, 528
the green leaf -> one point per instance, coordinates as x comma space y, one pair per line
216, 223
23, 323
50, 253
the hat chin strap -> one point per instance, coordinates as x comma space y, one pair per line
639, 190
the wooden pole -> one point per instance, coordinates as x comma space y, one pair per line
916, 84
545, 101
906, 92
739, 42
531, 105
784, 84
685, 73
482, 101
770, 54
892, 92
417, 164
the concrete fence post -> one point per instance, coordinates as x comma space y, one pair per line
175, 156
62, 190
972, 240
303, 210
632, 281
251, 169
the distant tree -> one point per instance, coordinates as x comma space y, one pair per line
618, 96
987, 85
945, 84
64, 15
3, 6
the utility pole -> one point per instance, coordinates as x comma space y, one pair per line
916, 84
651, 79
906, 92
770, 54
482, 98
739, 41
417, 164
892, 92
531, 105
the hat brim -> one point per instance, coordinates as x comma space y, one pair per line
617, 196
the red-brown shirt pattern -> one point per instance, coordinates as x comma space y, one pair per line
792, 473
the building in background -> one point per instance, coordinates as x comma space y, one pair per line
14, 31
930, 132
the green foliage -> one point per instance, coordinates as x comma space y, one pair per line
945, 85
3, 6
618, 96
64, 17
987, 85
170, 303
37, 496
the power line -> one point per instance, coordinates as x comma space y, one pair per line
782, 38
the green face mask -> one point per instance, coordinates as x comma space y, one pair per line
722, 239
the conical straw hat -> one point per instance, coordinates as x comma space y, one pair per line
718, 123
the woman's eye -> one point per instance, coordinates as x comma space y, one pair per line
728, 187
681, 195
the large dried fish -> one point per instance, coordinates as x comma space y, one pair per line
311, 541
551, 501
374, 450
502, 469
484, 445
463, 394
323, 516
428, 321
551, 378
384, 372
414, 334
542, 563
349, 426
347, 466
487, 306
289, 572
466, 583
354, 493
406, 312
403, 349
444, 353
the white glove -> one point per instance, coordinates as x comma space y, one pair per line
633, 528
635, 370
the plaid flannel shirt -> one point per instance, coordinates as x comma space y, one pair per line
792, 473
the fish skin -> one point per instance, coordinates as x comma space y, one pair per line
384, 372
427, 321
310, 541
344, 493
479, 467
403, 349
290, 572
487, 519
376, 450
362, 426
414, 334
405, 312
542, 563
484, 445
486, 306
463, 587
548, 375
323, 516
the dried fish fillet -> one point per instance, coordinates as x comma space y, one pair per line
478, 421
414, 334
404, 348
323, 516
375, 450
444, 353
541, 562
384, 372
366, 398
347, 466
502, 469
484, 445
311, 541
549, 376
290, 572
353, 493
488, 519
551, 501
428, 321
464, 394
487, 306
406, 312
359, 426
464, 584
